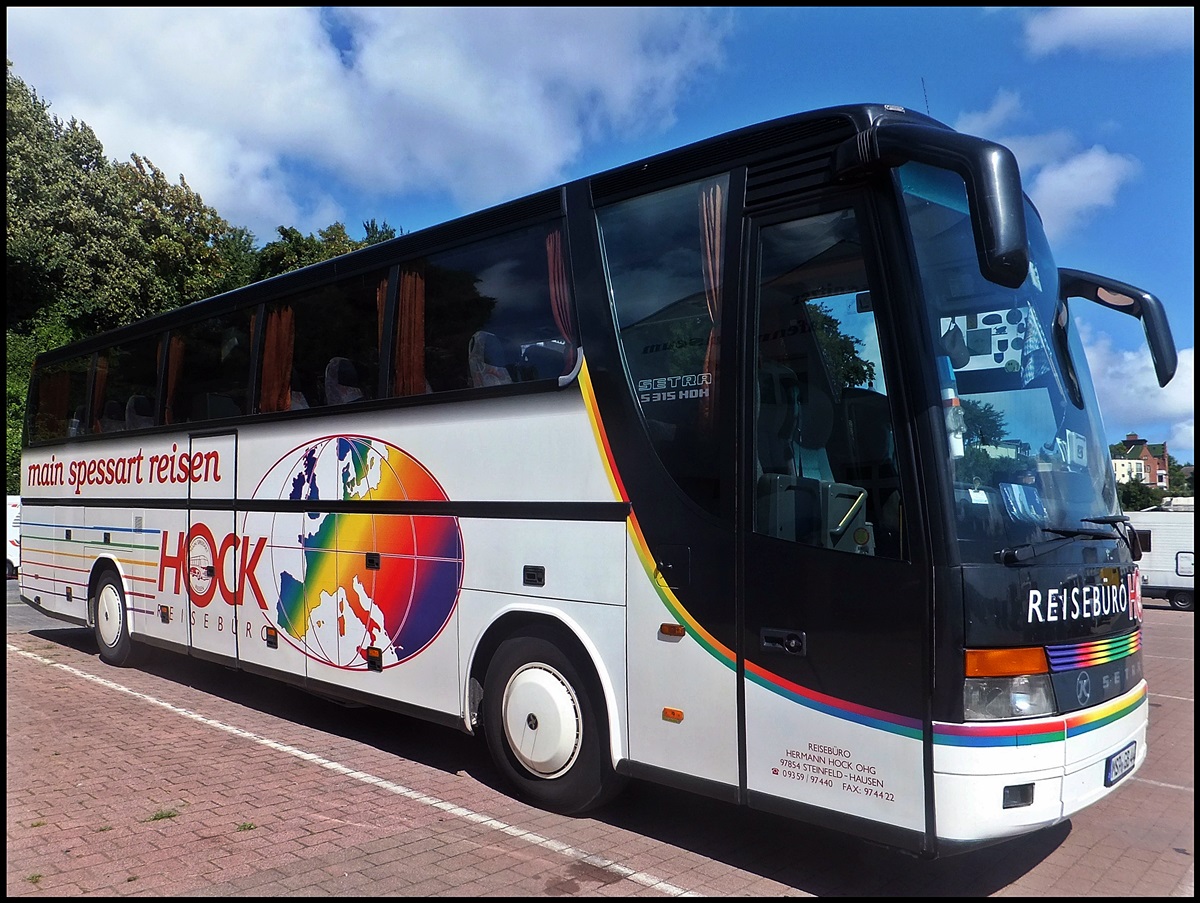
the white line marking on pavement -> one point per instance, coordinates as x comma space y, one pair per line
1138, 780
529, 837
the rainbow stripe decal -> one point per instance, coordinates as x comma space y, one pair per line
829, 705
1083, 655
1054, 730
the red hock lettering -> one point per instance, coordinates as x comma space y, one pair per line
198, 555
1080, 603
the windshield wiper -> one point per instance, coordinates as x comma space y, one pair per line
1065, 537
1123, 527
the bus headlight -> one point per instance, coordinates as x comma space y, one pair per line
998, 698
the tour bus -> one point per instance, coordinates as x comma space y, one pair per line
769, 468
14, 536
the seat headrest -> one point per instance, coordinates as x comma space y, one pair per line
341, 381
488, 360
872, 424
816, 419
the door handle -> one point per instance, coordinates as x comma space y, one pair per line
790, 641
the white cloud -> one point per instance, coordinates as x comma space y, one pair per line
1066, 184
1005, 108
1124, 31
1067, 192
260, 106
1131, 400
1035, 151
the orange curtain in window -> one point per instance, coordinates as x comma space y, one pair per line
712, 232
175, 352
560, 293
53, 399
380, 304
98, 387
275, 388
410, 331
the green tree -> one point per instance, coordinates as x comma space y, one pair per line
1137, 495
839, 350
93, 244
239, 258
1178, 479
291, 251
984, 424
90, 244
375, 234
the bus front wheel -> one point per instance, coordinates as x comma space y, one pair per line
112, 622
1181, 599
545, 728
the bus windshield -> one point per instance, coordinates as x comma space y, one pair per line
1024, 436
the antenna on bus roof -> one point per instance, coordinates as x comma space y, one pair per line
926, 93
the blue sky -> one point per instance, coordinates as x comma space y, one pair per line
307, 116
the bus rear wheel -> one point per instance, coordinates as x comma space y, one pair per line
1181, 599
111, 623
545, 728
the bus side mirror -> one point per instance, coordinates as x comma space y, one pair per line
1127, 299
1135, 544
989, 171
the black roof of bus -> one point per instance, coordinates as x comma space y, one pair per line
776, 137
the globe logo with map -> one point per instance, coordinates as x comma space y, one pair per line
341, 581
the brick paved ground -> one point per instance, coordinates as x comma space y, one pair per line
182, 778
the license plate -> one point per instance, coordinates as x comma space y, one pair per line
1120, 764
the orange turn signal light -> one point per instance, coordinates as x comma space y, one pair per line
1006, 662
673, 715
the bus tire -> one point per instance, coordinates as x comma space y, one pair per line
545, 729
1181, 600
111, 623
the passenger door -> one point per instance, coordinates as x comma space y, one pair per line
834, 613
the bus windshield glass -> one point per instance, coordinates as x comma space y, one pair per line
1024, 438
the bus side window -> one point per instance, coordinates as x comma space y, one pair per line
490, 313
321, 346
663, 261
208, 369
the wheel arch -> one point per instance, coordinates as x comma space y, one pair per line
570, 637
100, 567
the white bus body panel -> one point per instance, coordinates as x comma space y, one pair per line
584, 589
156, 583
679, 674
538, 448
71, 568
826, 754
1067, 774
210, 575
583, 560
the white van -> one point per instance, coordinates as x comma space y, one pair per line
14, 535
1168, 538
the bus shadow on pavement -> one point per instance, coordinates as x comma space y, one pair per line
432, 745
809, 858
816, 860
